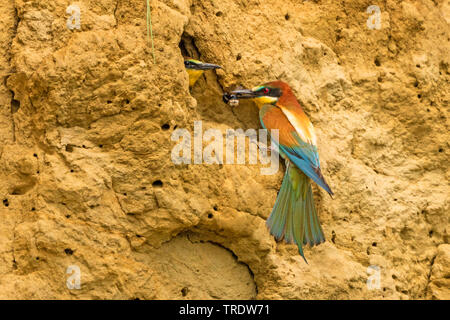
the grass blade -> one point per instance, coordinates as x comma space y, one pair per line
150, 29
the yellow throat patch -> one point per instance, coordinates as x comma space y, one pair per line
194, 75
261, 101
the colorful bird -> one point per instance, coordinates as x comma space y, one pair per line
196, 68
294, 217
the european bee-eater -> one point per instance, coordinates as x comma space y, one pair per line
196, 68
294, 217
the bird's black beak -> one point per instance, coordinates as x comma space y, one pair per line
207, 66
238, 95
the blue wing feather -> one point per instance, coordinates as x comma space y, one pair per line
304, 155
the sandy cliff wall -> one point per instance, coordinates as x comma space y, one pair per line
86, 177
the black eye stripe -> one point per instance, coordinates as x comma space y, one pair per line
269, 92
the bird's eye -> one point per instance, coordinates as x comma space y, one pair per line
266, 90
186, 63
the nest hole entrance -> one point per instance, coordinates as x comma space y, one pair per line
157, 184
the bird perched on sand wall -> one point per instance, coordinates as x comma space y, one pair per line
196, 68
294, 217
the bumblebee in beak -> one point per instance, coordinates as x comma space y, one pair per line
260, 95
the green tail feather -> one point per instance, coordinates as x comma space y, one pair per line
294, 217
